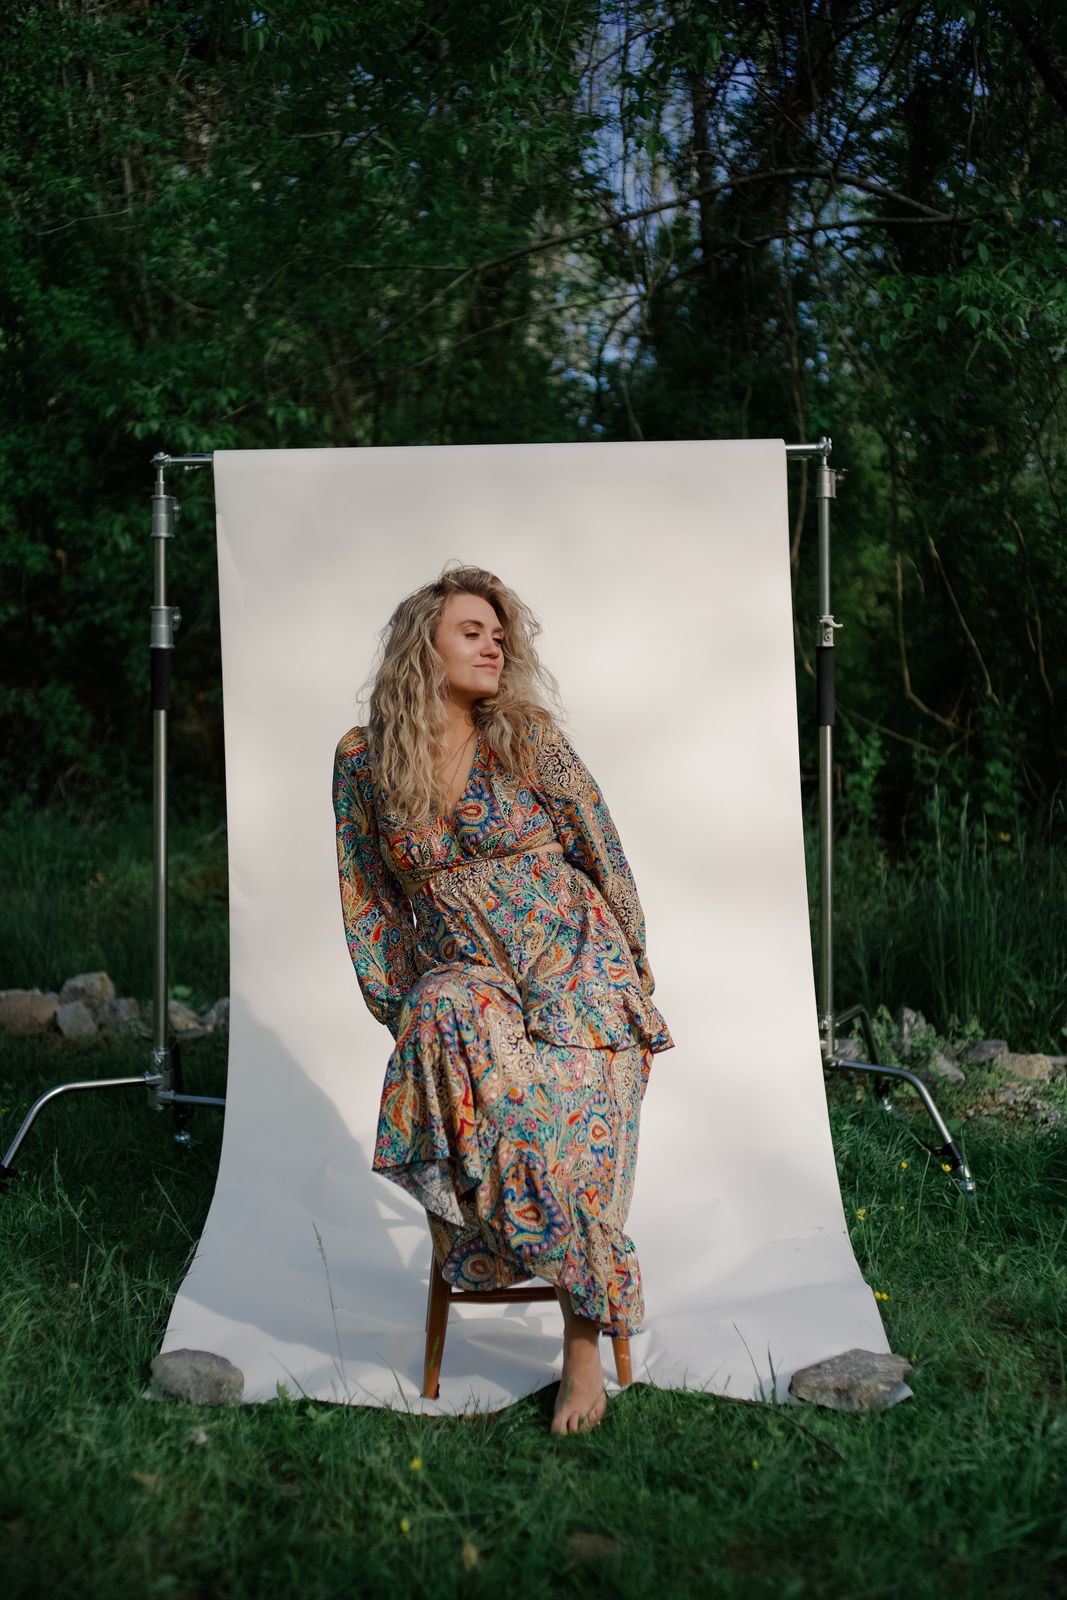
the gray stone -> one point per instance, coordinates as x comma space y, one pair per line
217, 1018
1038, 1067
908, 1023
1015, 1094
1020, 1099
943, 1067
982, 1050
26, 1011
182, 1018
120, 1016
855, 1380
849, 1050
75, 1020
93, 988
198, 1376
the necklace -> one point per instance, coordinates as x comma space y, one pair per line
461, 749
450, 769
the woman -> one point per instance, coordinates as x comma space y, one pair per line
495, 929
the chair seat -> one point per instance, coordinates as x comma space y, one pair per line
440, 1297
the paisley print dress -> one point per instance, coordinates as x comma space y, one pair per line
515, 982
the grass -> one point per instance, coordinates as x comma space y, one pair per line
958, 1490
967, 923
76, 896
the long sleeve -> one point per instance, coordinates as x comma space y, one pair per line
591, 841
379, 924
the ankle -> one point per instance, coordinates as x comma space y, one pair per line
581, 1336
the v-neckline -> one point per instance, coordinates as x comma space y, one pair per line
470, 775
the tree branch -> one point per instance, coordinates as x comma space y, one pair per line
909, 693
963, 623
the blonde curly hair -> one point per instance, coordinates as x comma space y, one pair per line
406, 718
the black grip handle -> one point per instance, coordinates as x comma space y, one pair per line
161, 661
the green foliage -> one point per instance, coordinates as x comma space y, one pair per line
76, 895
339, 225
924, 328
968, 924
229, 228
864, 756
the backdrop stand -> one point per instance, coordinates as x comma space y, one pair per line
831, 1022
164, 1079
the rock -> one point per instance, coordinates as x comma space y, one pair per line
75, 1020
26, 1011
92, 988
943, 1067
1038, 1067
1020, 1098
908, 1022
983, 1050
855, 1380
849, 1050
1016, 1102
120, 1016
181, 1017
198, 1376
1015, 1094
593, 1546
217, 1018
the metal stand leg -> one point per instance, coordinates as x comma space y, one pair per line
6, 1169
948, 1151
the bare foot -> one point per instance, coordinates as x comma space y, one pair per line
582, 1398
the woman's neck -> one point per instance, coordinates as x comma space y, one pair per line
460, 721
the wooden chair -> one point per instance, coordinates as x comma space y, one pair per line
439, 1300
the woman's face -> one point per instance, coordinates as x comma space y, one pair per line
470, 642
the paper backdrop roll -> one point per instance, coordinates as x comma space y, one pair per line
660, 573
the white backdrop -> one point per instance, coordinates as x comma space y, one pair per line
660, 572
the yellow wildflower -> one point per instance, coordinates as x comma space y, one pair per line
416, 1463
405, 1525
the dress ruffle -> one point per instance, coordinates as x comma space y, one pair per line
522, 1151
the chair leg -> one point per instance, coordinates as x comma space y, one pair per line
437, 1303
623, 1368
